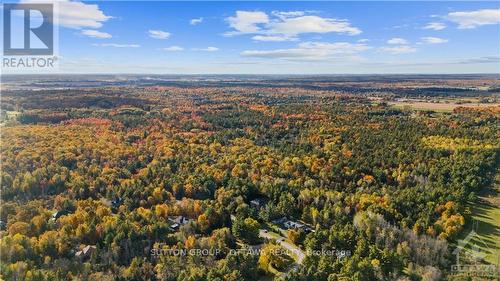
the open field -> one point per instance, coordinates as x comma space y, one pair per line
486, 214
438, 107
488, 228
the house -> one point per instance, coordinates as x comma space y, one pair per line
178, 221
59, 214
113, 204
289, 224
116, 202
175, 226
295, 225
258, 203
86, 252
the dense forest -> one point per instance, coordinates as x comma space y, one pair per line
219, 183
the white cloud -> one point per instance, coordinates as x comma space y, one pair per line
75, 14
207, 49
397, 41
401, 26
283, 15
285, 26
309, 51
473, 19
173, 49
488, 59
95, 34
363, 40
433, 40
196, 21
246, 22
311, 24
396, 50
117, 45
435, 26
274, 38
158, 34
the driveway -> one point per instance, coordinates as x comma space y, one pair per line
281, 241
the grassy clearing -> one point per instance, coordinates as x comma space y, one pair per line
486, 212
274, 235
423, 106
488, 228
437, 107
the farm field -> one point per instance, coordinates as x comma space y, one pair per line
439, 107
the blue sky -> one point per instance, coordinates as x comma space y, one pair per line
279, 37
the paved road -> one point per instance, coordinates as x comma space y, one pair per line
290, 247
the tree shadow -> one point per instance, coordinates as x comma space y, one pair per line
485, 224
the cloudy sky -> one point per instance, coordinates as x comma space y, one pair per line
279, 37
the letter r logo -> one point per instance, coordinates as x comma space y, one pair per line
28, 29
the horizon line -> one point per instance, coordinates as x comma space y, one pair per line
253, 74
